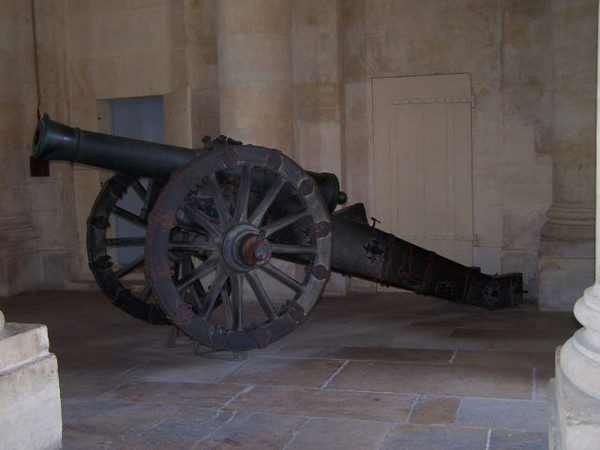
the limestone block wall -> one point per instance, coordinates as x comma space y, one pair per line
92, 52
317, 94
567, 246
506, 48
296, 75
200, 17
34, 217
255, 71
526, 166
317, 86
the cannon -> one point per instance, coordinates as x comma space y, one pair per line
239, 241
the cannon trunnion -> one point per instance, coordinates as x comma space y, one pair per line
238, 240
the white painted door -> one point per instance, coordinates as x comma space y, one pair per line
423, 161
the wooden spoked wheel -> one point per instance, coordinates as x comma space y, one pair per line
253, 227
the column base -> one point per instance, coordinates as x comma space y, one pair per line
574, 420
565, 270
30, 410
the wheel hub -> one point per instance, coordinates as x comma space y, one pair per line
256, 251
244, 248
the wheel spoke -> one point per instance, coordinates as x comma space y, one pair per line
127, 268
261, 294
266, 202
237, 300
213, 293
202, 219
149, 197
282, 277
145, 294
188, 267
100, 242
223, 212
284, 222
125, 242
139, 189
229, 312
241, 206
286, 249
128, 216
197, 297
202, 246
199, 272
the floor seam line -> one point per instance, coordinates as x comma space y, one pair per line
413, 405
334, 374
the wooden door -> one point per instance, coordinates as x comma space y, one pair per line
423, 161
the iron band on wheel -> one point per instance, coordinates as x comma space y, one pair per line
134, 297
243, 208
101, 246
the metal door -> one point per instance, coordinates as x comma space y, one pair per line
138, 118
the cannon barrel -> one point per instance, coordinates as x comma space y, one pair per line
56, 141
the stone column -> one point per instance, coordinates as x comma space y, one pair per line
575, 416
567, 241
255, 71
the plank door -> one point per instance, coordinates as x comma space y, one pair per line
423, 161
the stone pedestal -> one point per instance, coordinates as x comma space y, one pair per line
575, 411
574, 415
566, 263
30, 411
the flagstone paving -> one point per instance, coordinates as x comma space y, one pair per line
367, 371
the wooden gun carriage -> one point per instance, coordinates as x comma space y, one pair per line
239, 241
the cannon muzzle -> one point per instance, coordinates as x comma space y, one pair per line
55, 141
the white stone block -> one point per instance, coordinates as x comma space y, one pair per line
30, 410
519, 145
488, 185
487, 113
562, 281
574, 416
528, 184
489, 225
522, 226
489, 259
487, 148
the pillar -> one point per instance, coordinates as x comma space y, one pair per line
255, 72
254, 59
575, 416
566, 264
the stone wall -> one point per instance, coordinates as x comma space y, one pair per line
567, 246
90, 52
34, 225
506, 47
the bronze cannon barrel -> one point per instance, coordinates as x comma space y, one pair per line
56, 141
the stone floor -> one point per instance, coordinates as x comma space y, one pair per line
386, 371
